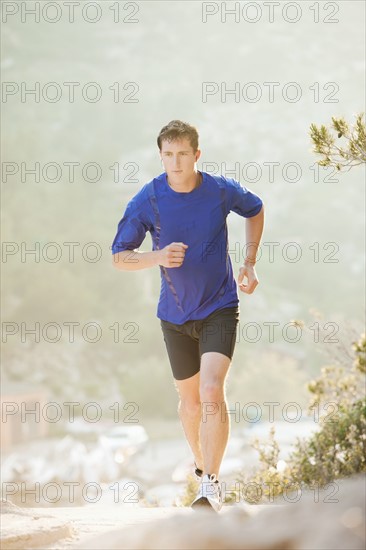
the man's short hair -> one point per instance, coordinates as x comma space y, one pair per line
176, 129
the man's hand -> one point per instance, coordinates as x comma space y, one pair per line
172, 255
248, 271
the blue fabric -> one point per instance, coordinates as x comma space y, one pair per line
205, 281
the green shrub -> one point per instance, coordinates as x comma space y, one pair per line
337, 450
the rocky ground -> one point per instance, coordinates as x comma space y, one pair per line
334, 520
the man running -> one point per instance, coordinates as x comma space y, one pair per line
185, 212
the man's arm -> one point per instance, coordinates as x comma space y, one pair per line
171, 255
254, 229
131, 260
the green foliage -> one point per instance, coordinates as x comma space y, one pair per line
339, 448
342, 384
336, 450
351, 154
272, 477
360, 351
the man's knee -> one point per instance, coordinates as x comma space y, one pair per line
190, 407
212, 392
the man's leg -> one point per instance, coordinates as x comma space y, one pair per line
189, 410
184, 356
200, 381
215, 425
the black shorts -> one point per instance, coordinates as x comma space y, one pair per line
187, 342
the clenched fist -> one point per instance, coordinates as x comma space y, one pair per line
172, 255
249, 272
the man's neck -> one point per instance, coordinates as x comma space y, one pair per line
188, 185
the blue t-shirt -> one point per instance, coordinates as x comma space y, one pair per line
205, 281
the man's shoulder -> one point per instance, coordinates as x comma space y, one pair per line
219, 180
152, 187
155, 184
147, 189
155, 187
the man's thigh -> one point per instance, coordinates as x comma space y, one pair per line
183, 351
218, 332
188, 344
214, 369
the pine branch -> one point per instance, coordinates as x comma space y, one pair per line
333, 155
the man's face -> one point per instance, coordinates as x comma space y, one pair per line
179, 158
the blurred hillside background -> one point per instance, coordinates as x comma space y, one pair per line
169, 52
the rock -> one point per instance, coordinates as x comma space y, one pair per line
22, 529
334, 519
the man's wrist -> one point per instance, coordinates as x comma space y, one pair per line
250, 261
158, 257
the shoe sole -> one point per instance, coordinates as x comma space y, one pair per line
202, 502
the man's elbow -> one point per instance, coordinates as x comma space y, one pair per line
120, 259
117, 261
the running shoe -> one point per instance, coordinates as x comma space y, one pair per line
209, 493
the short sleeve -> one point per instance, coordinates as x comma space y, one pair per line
242, 200
132, 228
